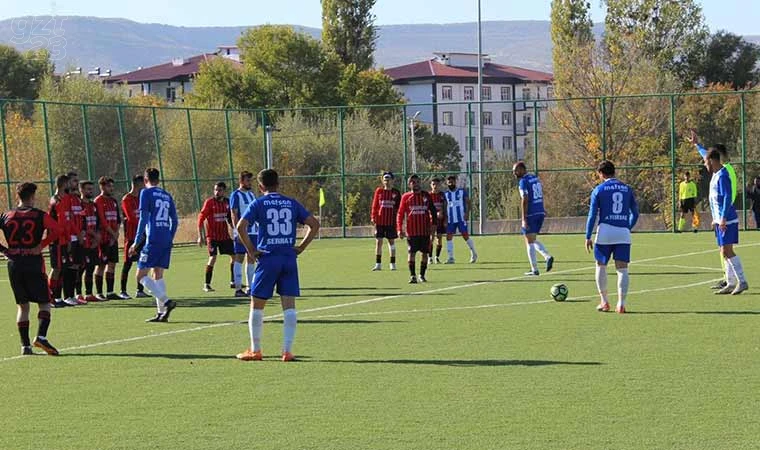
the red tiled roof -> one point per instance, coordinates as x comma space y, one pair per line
167, 71
432, 68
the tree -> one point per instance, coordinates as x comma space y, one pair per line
367, 87
290, 68
439, 151
348, 30
727, 58
22, 73
222, 83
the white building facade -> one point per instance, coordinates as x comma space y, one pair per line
448, 84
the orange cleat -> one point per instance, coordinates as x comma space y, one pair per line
603, 307
620, 309
250, 355
287, 356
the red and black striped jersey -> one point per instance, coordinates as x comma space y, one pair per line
130, 206
438, 200
418, 210
23, 229
385, 205
216, 214
90, 223
108, 215
54, 211
75, 216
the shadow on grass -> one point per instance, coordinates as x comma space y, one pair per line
343, 288
708, 313
466, 362
338, 321
177, 356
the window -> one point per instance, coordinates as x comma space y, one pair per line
506, 118
506, 143
469, 143
550, 92
485, 93
469, 117
506, 93
526, 94
469, 93
171, 94
527, 120
448, 118
487, 142
487, 118
446, 93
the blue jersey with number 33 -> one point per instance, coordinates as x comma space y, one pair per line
158, 217
277, 217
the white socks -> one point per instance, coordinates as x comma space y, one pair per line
156, 287
622, 280
237, 271
289, 329
730, 275
471, 244
541, 249
255, 325
601, 282
450, 249
532, 257
249, 270
392, 249
735, 270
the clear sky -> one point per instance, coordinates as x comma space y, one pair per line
737, 16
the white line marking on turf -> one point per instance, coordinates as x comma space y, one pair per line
678, 266
372, 300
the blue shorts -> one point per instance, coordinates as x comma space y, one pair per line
619, 252
239, 248
276, 270
534, 225
453, 227
730, 236
151, 256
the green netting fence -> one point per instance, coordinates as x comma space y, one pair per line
343, 150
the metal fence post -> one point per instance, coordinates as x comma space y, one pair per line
123, 140
192, 159
157, 138
87, 150
229, 145
469, 146
673, 193
743, 127
604, 127
4, 141
51, 183
342, 139
535, 136
264, 137
406, 145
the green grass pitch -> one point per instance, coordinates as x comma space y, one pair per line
477, 358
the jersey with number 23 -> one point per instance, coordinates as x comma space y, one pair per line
277, 217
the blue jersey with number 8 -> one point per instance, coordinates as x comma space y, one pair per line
158, 218
615, 205
277, 217
530, 186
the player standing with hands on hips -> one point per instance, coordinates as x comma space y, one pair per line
276, 252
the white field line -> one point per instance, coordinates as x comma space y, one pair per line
362, 302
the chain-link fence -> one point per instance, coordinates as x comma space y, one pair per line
343, 151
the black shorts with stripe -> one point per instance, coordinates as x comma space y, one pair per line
385, 231
29, 283
59, 255
418, 244
225, 247
108, 254
687, 205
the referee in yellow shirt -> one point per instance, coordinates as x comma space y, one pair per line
687, 194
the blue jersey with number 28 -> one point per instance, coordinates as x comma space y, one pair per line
277, 217
158, 217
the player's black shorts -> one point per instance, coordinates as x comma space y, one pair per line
108, 253
225, 247
133, 259
28, 284
385, 231
418, 244
687, 205
90, 256
58, 256
75, 254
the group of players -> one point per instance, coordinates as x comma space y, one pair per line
83, 234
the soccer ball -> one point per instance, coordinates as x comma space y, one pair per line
559, 292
